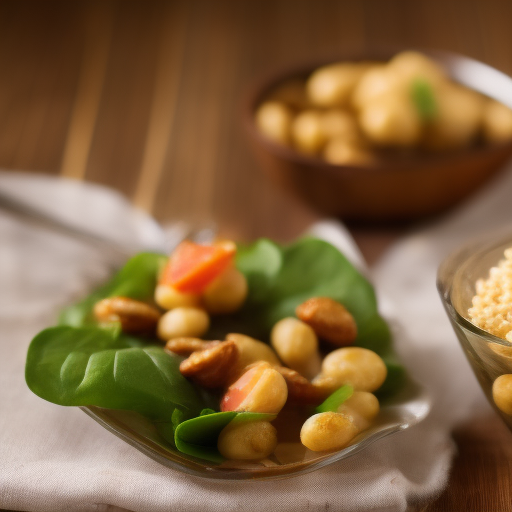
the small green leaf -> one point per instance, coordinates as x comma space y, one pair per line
424, 99
332, 402
198, 436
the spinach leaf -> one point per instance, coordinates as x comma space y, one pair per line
88, 366
137, 280
424, 99
333, 401
198, 436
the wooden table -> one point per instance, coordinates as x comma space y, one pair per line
144, 96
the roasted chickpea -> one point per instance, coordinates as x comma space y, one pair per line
362, 407
497, 122
361, 368
328, 431
391, 121
247, 440
339, 151
502, 393
296, 345
183, 322
331, 86
226, 293
273, 119
168, 297
458, 119
307, 133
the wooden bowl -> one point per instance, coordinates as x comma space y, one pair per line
392, 189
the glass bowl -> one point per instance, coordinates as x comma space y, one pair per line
456, 281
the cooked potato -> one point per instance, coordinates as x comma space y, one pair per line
497, 122
377, 82
339, 123
412, 65
307, 133
339, 151
274, 119
458, 119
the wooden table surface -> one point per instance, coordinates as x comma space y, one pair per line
144, 96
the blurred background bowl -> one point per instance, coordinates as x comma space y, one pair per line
394, 188
489, 356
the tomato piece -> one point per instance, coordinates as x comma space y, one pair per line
192, 267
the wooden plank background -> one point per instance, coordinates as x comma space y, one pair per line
145, 97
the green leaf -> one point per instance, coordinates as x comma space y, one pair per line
137, 280
87, 366
198, 436
424, 99
333, 401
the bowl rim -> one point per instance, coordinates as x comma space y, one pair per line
452, 264
448, 60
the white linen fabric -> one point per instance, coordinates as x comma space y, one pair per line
55, 458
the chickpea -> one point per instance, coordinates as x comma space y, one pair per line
413, 65
307, 133
502, 393
244, 440
341, 124
458, 118
497, 122
251, 351
362, 407
331, 86
391, 121
328, 431
227, 293
273, 119
167, 297
339, 152
296, 345
361, 368
183, 322
376, 83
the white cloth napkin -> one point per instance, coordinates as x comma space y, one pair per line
55, 458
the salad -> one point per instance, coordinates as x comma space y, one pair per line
227, 350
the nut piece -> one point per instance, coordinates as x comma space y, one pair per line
502, 393
185, 346
210, 367
297, 346
300, 390
167, 297
329, 319
361, 368
183, 322
259, 389
136, 317
328, 431
247, 440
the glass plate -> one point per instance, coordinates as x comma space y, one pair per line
404, 410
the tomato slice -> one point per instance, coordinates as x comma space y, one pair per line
192, 267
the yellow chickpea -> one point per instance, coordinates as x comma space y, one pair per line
183, 322
274, 119
376, 83
332, 86
296, 345
362, 407
226, 293
328, 431
339, 123
391, 121
458, 119
361, 368
502, 393
244, 440
339, 151
307, 133
497, 122
167, 297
